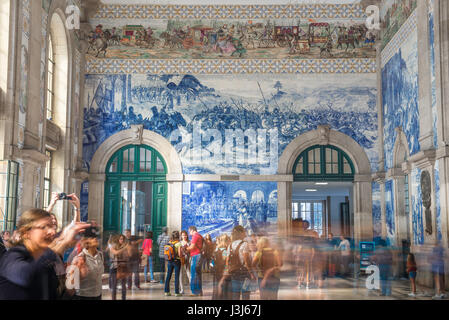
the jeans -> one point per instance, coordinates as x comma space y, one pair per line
133, 269
385, 272
172, 265
237, 280
150, 267
162, 261
195, 273
113, 284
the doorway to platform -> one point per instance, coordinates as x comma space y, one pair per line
135, 193
322, 190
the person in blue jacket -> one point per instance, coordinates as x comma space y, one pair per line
27, 269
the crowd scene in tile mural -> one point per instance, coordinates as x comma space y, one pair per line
234, 39
171, 102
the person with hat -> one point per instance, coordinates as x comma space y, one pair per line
90, 263
162, 240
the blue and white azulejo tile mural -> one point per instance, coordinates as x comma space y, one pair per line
400, 98
437, 201
230, 124
389, 211
377, 211
417, 207
216, 207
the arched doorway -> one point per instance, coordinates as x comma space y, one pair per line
323, 176
104, 157
135, 191
361, 195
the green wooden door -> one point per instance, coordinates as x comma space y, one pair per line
111, 222
159, 216
135, 163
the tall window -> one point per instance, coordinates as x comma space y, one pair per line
9, 175
47, 181
50, 81
311, 211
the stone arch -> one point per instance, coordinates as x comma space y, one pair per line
401, 151
138, 136
362, 200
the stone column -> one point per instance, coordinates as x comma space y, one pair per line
425, 77
441, 18
363, 205
96, 197
284, 208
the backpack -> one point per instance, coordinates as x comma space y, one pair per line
170, 253
233, 262
267, 260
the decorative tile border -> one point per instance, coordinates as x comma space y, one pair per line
287, 11
399, 38
230, 66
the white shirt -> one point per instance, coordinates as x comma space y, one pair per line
91, 285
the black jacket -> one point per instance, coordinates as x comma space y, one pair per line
23, 278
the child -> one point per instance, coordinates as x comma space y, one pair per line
411, 270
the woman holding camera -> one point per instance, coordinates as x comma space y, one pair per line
27, 270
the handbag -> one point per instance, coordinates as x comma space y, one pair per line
122, 270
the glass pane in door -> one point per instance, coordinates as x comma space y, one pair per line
136, 199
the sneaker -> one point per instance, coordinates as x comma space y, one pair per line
178, 294
153, 281
412, 294
436, 297
167, 294
443, 296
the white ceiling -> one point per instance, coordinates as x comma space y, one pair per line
333, 189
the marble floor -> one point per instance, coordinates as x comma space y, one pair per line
333, 289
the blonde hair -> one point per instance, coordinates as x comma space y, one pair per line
27, 221
223, 240
262, 243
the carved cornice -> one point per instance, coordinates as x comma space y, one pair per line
378, 177
424, 159
442, 152
81, 175
32, 156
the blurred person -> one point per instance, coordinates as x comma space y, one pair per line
147, 259
91, 265
208, 250
6, 238
319, 262
27, 270
384, 260
412, 270
331, 257
194, 249
437, 265
219, 262
119, 270
133, 259
60, 266
173, 263
162, 240
238, 265
184, 274
268, 262
345, 255
308, 253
